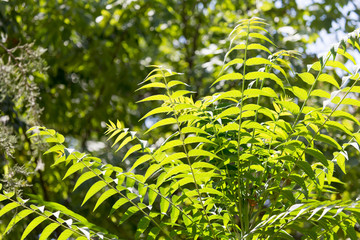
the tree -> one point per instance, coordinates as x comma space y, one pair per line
258, 158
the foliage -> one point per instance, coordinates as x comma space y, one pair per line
258, 159
94, 50
97, 53
20, 68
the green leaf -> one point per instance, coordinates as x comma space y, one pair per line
18, 217
298, 92
320, 93
93, 190
174, 215
55, 148
48, 231
164, 206
307, 77
327, 139
118, 139
178, 169
33, 224
142, 226
348, 101
288, 195
133, 149
103, 197
340, 113
233, 62
175, 83
8, 207
255, 46
171, 144
263, 75
157, 111
163, 122
257, 61
290, 106
84, 177
338, 126
200, 152
65, 234
230, 127
347, 55
269, 92
118, 204
318, 155
153, 168
305, 166
340, 160
152, 194
202, 165
228, 112
74, 168
193, 130
126, 141
260, 36
129, 212
195, 139
229, 76
141, 160
159, 97
337, 64
350, 232
330, 79
153, 85
179, 94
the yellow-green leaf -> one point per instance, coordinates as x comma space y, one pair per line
65, 234
141, 160
48, 231
153, 85
320, 93
118, 139
228, 112
200, 152
195, 139
133, 149
103, 197
260, 36
230, 127
328, 78
126, 141
263, 75
18, 217
340, 160
163, 122
84, 177
8, 207
337, 64
298, 92
74, 168
290, 106
257, 61
159, 97
229, 76
318, 155
157, 111
171, 144
93, 190
307, 77
175, 82
33, 224
327, 139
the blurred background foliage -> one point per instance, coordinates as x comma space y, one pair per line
73, 64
